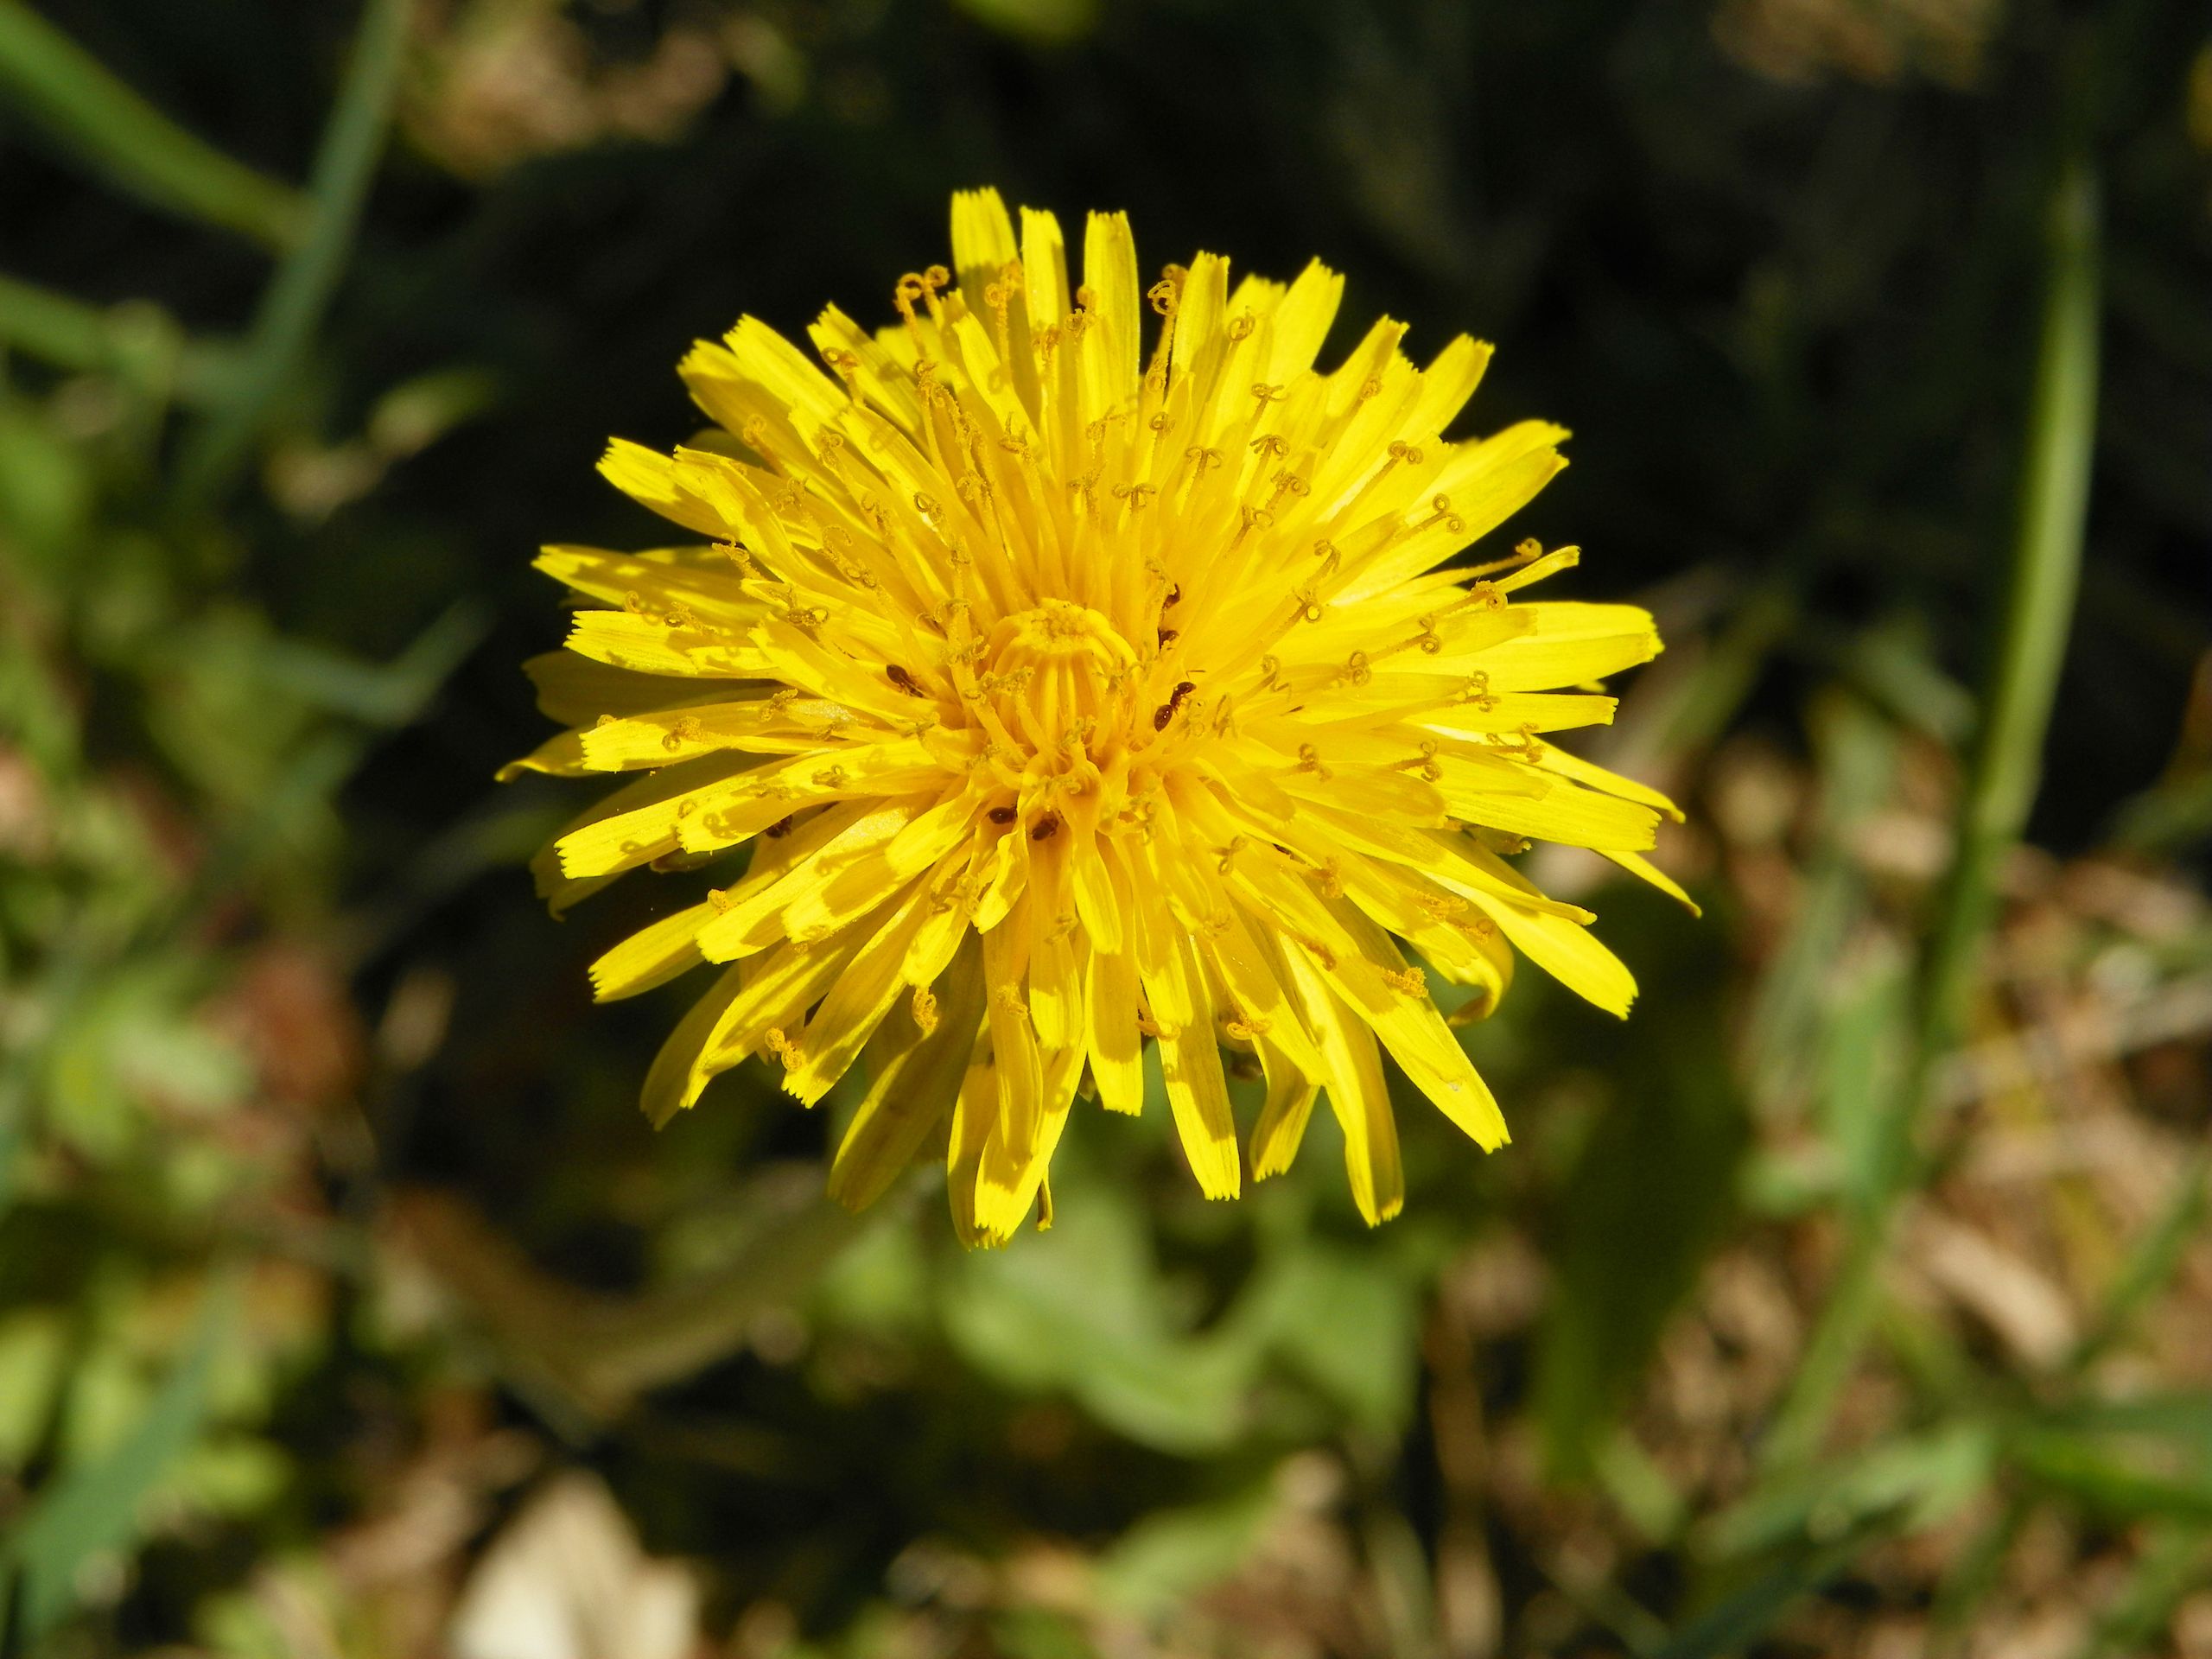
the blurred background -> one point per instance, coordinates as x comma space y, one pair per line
1854, 1298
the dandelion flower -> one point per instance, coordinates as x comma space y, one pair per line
1069, 692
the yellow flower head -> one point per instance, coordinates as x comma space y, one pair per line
1070, 694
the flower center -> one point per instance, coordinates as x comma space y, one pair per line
1058, 673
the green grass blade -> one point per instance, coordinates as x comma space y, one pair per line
2039, 603
94, 1508
2151, 1265
294, 304
1743, 1617
2175, 1563
2016, 701
62, 88
63, 331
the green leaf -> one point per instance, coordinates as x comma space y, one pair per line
1079, 1310
1172, 1554
94, 1507
64, 89
1344, 1321
378, 694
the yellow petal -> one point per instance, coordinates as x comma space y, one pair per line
1490, 790
1446, 384
856, 1004
636, 824
975, 1115
1565, 949
1571, 644
1112, 338
1197, 1095
982, 241
648, 646
1115, 1046
575, 691
1300, 322
1643, 869
699, 580
561, 756
914, 1088
649, 478
1289, 1107
1010, 1180
1359, 1095
651, 957
729, 1023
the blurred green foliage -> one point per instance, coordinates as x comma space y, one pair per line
328, 1231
